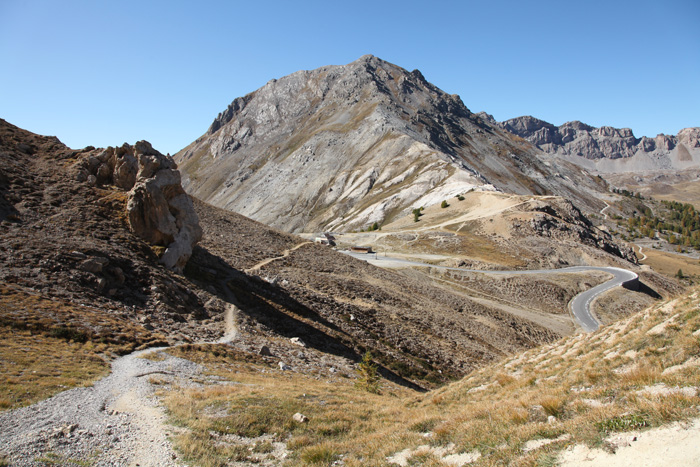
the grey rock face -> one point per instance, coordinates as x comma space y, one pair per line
609, 149
341, 147
158, 209
561, 219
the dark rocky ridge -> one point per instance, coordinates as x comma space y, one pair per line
341, 147
68, 240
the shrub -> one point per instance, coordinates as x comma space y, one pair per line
622, 423
416, 214
444, 204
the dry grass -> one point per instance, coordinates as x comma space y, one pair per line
669, 263
49, 345
35, 367
23, 310
592, 384
619, 303
463, 244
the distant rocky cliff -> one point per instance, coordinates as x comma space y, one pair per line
608, 149
342, 147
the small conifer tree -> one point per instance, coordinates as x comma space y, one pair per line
416, 214
367, 375
444, 204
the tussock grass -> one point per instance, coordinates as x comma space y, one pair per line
35, 367
50, 345
320, 454
593, 385
22, 310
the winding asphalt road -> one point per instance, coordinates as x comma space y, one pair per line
580, 305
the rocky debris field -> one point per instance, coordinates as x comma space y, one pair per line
344, 306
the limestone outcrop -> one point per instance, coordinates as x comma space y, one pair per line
158, 209
607, 149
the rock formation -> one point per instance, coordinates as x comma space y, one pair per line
560, 219
607, 149
158, 209
342, 147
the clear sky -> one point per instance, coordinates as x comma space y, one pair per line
103, 73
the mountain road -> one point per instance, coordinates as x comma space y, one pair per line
579, 306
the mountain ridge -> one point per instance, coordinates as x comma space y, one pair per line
341, 147
607, 149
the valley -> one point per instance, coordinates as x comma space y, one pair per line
506, 302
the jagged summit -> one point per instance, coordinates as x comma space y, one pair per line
344, 146
609, 149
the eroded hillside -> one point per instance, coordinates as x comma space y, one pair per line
68, 245
344, 146
332, 301
81, 284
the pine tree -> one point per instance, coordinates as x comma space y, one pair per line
367, 375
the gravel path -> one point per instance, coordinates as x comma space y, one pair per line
116, 422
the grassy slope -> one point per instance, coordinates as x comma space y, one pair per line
50, 345
591, 384
667, 263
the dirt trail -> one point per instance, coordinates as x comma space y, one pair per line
230, 328
644, 256
117, 421
267, 261
674, 444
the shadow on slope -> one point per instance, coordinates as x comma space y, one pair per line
272, 310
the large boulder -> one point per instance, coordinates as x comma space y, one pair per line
158, 209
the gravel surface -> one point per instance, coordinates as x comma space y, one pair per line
116, 422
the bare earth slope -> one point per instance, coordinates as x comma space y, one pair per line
342, 147
56, 227
339, 304
68, 242
488, 230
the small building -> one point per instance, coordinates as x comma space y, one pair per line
361, 249
325, 239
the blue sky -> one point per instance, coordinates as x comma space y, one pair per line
107, 72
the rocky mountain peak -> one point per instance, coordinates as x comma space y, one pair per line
343, 146
526, 124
